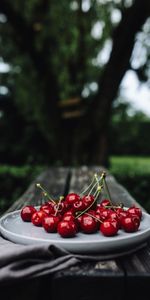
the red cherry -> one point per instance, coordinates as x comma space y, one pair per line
72, 198
109, 228
50, 223
78, 206
60, 207
119, 210
66, 229
88, 224
78, 220
122, 215
88, 200
135, 211
115, 222
114, 216
27, 212
104, 213
72, 218
130, 223
69, 213
68, 218
37, 217
105, 202
47, 209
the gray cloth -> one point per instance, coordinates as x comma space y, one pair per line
20, 262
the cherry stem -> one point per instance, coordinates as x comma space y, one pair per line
97, 192
99, 189
86, 189
59, 202
98, 181
84, 211
45, 192
94, 217
107, 191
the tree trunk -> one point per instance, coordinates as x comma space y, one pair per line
100, 111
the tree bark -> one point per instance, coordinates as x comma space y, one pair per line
100, 111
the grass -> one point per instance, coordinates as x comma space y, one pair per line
131, 165
134, 174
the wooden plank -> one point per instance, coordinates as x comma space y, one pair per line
54, 180
137, 274
120, 194
88, 280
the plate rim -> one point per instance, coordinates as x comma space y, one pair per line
130, 236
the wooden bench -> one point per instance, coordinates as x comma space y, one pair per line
122, 278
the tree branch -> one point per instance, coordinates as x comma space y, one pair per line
100, 110
123, 42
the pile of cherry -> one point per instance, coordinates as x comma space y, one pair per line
75, 214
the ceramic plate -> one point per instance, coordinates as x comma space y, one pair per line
14, 229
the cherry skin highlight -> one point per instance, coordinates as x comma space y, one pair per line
67, 229
27, 212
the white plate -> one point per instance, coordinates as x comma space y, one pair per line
14, 229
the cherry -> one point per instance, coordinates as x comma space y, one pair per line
78, 206
68, 218
105, 202
50, 223
27, 212
66, 228
88, 200
48, 209
130, 223
37, 217
135, 211
119, 210
71, 198
104, 213
122, 214
69, 213
109, 228
78, 220
88, 224
114, 216
60, 207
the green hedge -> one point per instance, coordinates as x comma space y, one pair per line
134, 174
14, 181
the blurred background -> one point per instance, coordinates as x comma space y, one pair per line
74, 89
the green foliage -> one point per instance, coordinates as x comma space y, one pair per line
14, 181
128, 132
133, 173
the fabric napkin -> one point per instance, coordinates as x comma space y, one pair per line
20, 262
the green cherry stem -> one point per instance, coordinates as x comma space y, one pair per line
45, 192
84, 211
97, 219
59, 202
97, 192
107, 191
98, 182
87, 188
